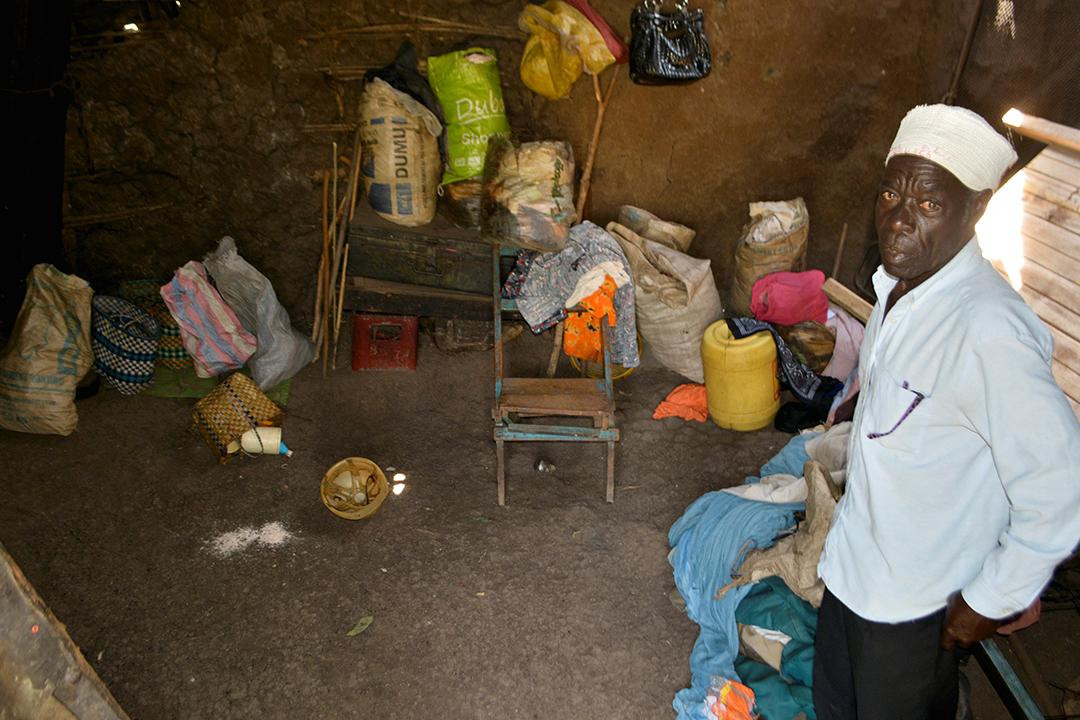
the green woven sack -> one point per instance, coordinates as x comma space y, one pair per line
467, 85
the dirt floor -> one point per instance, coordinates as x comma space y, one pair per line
556, 606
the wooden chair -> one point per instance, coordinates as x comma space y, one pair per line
521, 397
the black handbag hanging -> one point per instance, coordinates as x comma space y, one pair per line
668, 48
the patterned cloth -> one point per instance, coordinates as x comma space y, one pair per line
125, 341
212, 334
582, 337
542, 282
813, 390
145, 295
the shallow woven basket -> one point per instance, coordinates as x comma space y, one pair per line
342, 502
230, 410
596, 369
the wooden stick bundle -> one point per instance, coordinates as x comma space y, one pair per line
316, 325
73, 221
445, 27
329, 280
328, 127
340, 303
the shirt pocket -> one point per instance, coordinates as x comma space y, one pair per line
896, 414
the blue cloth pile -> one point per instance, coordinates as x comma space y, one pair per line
708, 543
789, 461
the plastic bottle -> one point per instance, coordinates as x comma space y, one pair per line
262, 440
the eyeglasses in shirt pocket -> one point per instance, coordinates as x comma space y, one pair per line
892, 417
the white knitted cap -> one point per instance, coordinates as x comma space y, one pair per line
957, 139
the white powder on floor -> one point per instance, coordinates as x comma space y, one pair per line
272, 534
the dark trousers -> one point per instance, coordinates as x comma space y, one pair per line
880, 671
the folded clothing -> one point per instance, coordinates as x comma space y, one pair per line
591, 281
583, 337
686, 401
849, 336
787, 298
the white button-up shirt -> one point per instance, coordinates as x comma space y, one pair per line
964, 459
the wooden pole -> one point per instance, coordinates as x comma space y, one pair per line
438, 27
556, 350
340, 304
322, 260
354, 188
1042, 130
84, 220
958, 70
594, 141
338, 227
329, 295
839, 252
583, 189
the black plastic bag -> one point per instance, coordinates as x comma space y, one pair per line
402, 75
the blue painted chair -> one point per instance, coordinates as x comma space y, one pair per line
517, 398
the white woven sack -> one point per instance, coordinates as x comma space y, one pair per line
676, 300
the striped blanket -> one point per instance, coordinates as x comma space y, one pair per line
211, 332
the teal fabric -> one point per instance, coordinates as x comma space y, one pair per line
770, 604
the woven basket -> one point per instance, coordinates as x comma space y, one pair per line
230, 410
125, 341
354, 500
146, 295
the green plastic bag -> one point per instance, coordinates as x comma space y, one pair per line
467, 85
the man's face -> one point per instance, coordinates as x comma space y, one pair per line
924, 215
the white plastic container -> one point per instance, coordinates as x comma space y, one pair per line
261, 441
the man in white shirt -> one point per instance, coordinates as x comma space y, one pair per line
963, 488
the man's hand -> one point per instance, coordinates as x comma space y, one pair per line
964, 626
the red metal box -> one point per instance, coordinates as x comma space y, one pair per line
384, 342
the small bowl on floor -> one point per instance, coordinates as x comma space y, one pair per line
354, 488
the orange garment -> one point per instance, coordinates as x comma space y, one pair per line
581, 331
733, 701
686, 402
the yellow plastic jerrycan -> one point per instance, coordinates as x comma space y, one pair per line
741, 385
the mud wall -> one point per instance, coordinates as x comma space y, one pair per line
206, 121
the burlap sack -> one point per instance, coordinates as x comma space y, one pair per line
647, 225
774, 241
48, 353
675, 297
